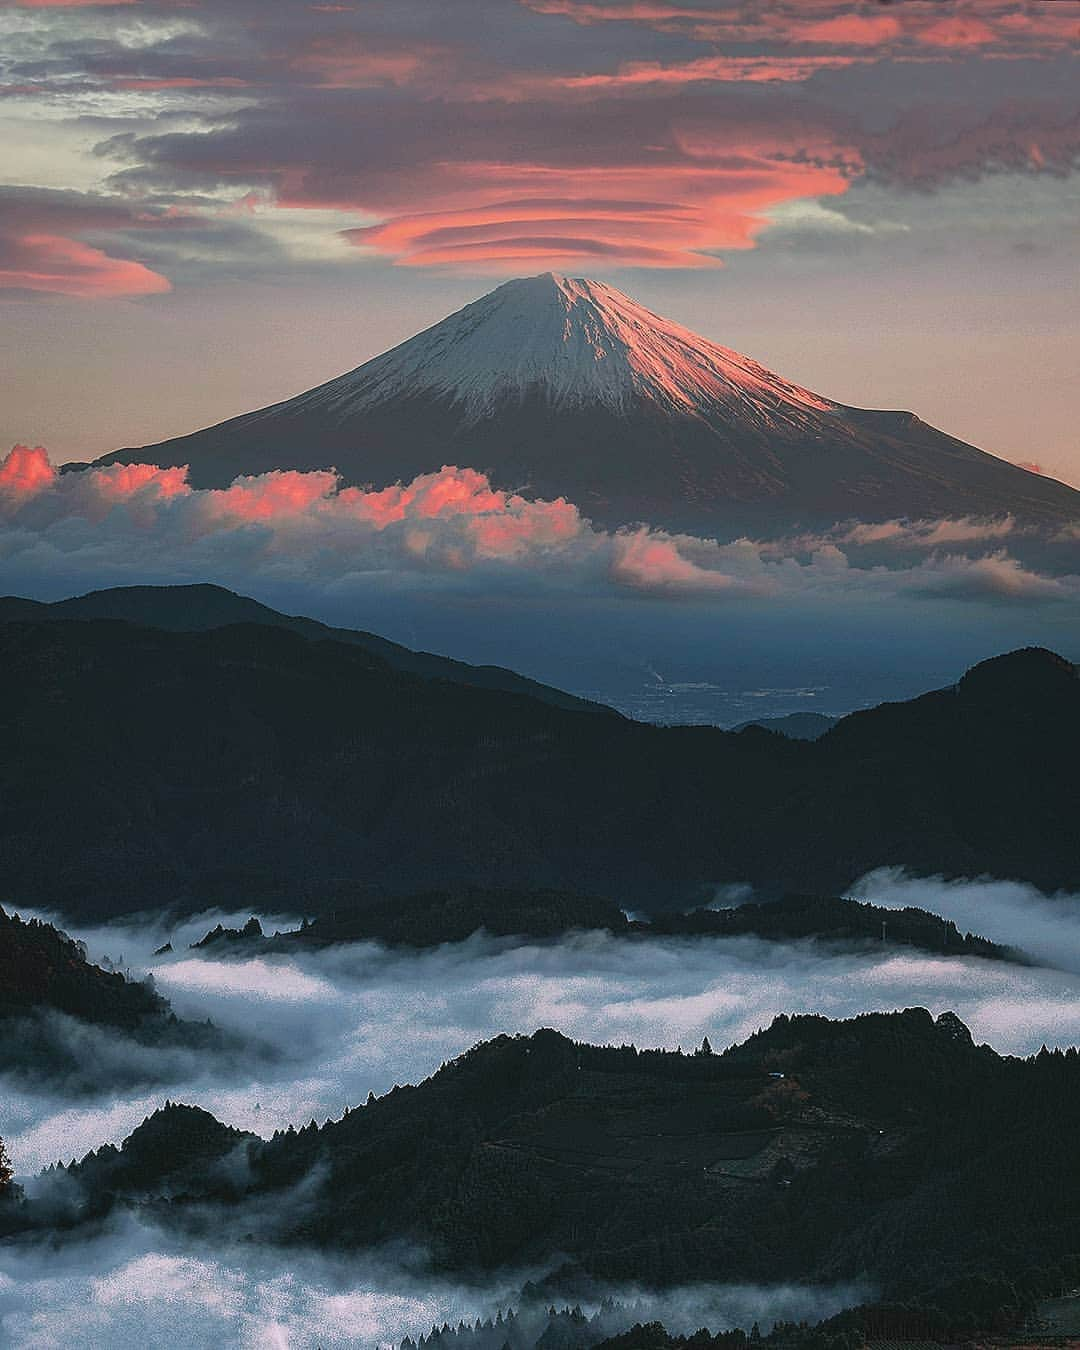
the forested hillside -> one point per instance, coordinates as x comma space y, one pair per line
146, 768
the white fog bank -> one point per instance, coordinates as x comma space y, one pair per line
350, 1020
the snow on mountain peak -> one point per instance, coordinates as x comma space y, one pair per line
573, 342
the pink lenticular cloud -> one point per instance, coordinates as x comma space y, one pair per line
482, 160
712, 194
49, 262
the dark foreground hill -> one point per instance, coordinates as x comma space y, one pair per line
53, 1001
143, 768
888, 1147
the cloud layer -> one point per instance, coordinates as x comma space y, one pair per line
575, 132
131, 522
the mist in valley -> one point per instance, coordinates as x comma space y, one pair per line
319, 1029
134, 1285
324, 1028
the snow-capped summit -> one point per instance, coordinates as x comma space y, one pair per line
577, 343
562, 386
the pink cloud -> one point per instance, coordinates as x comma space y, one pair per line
449, 492
123, 521
714, 192
998, 25
852, 30
525, 526
117, 482
24, 472
480, 162
269, 496
719, 69
653, 562
957, 30
353, 61
49, 262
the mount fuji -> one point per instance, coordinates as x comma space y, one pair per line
557, 386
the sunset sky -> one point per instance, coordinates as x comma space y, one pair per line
207, 207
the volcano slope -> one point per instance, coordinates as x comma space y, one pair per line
565, 387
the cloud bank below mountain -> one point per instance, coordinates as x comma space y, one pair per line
128, 522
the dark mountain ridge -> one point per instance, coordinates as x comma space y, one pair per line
144, 768
361, 914
197, 608
50, 995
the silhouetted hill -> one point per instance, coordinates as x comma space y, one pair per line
830, 918
435, 917
40, 966
176, 1150
142, 767
220, 935
190, 609
888, 1147
800, 726
50, 994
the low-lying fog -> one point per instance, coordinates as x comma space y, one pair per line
350, 1020
135, 1287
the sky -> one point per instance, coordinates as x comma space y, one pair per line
205, 207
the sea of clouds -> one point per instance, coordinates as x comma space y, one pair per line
326, 1027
